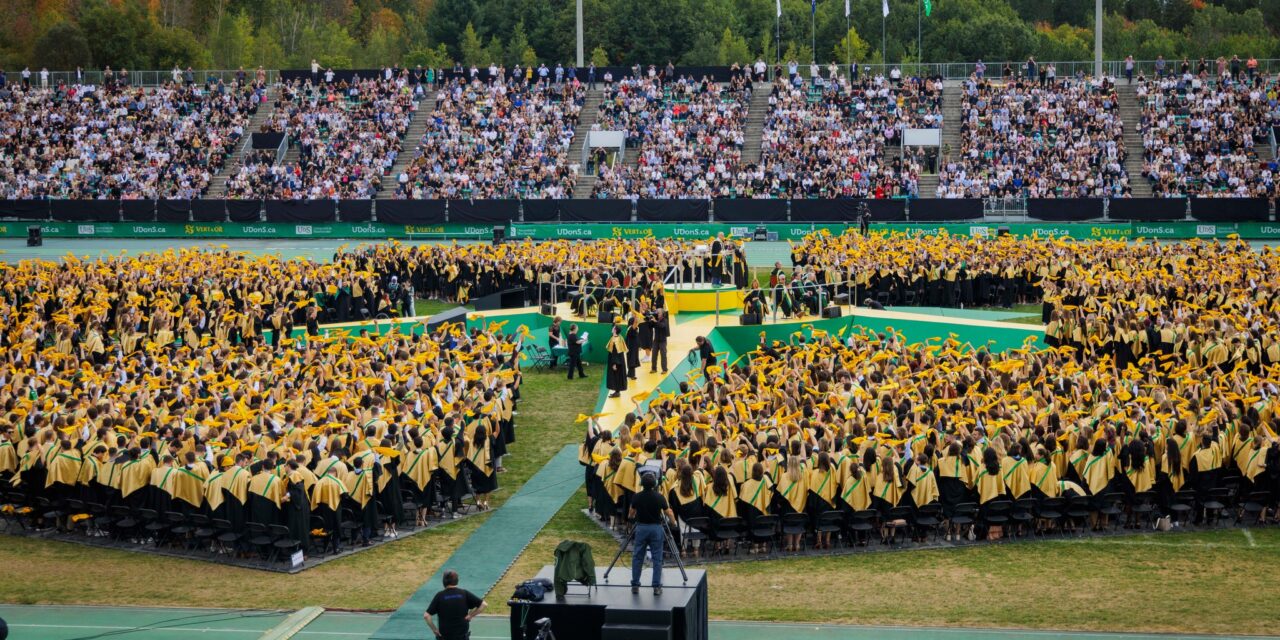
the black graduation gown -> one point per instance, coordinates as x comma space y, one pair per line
298, 514
390, 495
633, 351
263, 511
616, 373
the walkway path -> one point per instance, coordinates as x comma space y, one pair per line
67, 623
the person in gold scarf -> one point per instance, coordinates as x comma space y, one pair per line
616, 366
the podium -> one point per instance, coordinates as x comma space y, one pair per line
609, 611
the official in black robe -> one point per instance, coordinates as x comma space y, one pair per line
616, 368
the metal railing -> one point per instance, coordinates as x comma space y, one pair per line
140, 78
946, 70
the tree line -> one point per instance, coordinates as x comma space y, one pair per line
227, 34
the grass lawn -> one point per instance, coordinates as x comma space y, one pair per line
423, 307
1210, 582
43, 572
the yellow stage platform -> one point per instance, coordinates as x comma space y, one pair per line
690, 297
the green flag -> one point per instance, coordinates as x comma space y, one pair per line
928, 7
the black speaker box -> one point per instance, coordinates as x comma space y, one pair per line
747, 319
548, 309
831, 312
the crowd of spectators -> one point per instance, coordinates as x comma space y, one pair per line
1055, 138
119, 142
833, 139
501, 138
1198, 134
347, 133
689, 133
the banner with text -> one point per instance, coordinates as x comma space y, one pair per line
263, 230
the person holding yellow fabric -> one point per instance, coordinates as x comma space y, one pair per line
824, 486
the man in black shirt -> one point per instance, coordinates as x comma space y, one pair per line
456, 607
647, 509
661, 332
575, 352
704, 352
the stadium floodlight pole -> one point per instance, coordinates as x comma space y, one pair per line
1097, 39
580, 34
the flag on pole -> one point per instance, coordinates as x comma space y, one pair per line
846, 8
928, 7
779, 8
886, 8
813, 7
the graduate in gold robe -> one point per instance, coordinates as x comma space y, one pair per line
360, 497
326, 503
266, 495
824, 487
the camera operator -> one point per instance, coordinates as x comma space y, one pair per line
647, 510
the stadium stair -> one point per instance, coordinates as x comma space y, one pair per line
586, 119
928, 184
1131, 114
408, 146
218, 184
756, 115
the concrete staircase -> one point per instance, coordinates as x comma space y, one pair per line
1130, 113
218, 184
928, 183
758, 111
586, 119
408, 147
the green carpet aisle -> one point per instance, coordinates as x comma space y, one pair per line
485, 556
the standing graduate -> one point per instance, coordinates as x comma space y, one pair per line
478, 460
297, 505
632, 341
360, 493
616, 369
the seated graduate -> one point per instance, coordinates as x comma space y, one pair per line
1015, 473
990, 485
266, 495
824, 485
754, 301
326, 503
1204, 468
755, 494
185, 485
792, 493
685, 493
721, 501
956, 472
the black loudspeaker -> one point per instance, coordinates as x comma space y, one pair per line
548, 309
1002, 231
747, 319
605, 317
499, 233
831, 312
35, 236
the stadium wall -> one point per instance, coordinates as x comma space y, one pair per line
589, 231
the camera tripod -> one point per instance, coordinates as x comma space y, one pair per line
544, 629
668, 538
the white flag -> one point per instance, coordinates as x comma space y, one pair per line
846, 8
886, 8
779, 8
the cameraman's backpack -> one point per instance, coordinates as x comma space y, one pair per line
532, 590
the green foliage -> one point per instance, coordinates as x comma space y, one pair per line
851, 48
142, 34
63, 46
471, 48
733, 49
599, 57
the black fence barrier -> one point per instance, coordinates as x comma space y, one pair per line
1148, 209
717, 74
883, 210
484, 211
1230, 209
300, 211
138, 210
930, 210
268, 140
822, 210
85, 210
750, 210
666, 210
1064, 209
595, 210
540, 210
24, 209
244, 210
210, 210
355, 210
173, 211
411, 211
